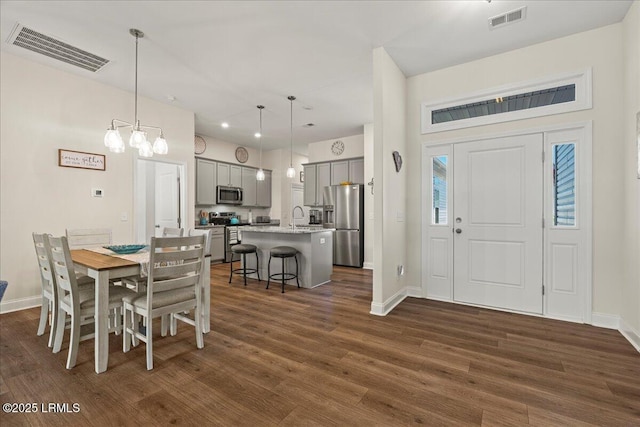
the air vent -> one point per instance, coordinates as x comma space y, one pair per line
37, 42
508, 18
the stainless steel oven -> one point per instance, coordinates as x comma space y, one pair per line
228, 195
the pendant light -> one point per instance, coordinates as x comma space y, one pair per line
291, 172
138, 139
260, 173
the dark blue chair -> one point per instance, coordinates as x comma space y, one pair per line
3, 287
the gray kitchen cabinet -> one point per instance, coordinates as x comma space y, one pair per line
339, 172
205, 182
309, 197
323, 178
263, 197
229, 175
249, 187
356, 171
217, 244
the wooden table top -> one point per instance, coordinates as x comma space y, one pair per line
97, 261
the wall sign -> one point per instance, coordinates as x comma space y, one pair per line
78, 159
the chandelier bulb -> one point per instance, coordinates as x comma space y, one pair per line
291, 172
260, 175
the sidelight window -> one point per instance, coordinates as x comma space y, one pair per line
564, 185
439, 190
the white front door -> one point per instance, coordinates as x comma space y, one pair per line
497, 223
167, 197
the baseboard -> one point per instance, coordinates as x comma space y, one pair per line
609, 321
367, 266
20, 304
631, 335
382, 309
414, 291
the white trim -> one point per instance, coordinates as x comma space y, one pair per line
367, 266
582, 79
382, 309
414, 291
20, 304
608, 321
630, 334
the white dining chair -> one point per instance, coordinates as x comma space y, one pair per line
49, 307
77, 302
173, 288
81, 238
172, 232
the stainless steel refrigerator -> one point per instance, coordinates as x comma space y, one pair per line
344, 211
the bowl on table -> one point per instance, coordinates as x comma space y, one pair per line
125, 249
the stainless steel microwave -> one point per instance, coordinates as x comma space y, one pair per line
228, 195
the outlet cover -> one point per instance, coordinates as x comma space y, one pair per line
97, 192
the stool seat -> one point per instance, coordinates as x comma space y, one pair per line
283, 251
243, 248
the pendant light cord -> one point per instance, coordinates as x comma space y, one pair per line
291, 98
135, 113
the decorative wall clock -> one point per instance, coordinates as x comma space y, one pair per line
337, 147
200, 145
242, 155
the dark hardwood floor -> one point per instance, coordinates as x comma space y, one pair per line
317, 357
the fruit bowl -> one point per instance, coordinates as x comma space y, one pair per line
125, 249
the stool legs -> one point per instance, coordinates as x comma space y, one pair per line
296, 258
244, 268
269, 272
258, 266
282, 275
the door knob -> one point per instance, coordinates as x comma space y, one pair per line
157, 225
458, 230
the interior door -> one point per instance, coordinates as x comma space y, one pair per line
498, 239
167, 198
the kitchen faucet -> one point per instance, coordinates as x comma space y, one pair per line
293, 216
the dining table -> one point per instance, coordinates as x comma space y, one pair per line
103, 268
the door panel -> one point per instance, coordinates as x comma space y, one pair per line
346, 248
167, 206
498, 223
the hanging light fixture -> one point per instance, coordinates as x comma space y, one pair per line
260, 173
291, 172
113, 139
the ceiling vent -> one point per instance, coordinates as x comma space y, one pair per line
508, 18
37, 42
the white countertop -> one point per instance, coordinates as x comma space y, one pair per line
285, 230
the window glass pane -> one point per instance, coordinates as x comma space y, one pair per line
439, 191
564, 188
522, 101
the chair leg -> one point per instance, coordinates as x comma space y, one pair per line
44, 315
269, 272
149, 334
257, 266
244, 268
198, 326
296, 258
163, 325
57, 342
74, 342
126, 330
231, 268
282, 275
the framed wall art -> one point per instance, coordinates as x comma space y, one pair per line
81, 160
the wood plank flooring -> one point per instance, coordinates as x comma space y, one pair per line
316, 357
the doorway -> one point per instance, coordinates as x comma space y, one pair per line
507, 221
159, 197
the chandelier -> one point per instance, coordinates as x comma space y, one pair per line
260, 174
138, 139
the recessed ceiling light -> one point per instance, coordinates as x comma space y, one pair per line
257, 135
224, 125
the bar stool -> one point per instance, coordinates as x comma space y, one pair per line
283, 252
244, 249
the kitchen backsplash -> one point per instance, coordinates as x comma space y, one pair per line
239, 210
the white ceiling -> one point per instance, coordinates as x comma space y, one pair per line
222, 58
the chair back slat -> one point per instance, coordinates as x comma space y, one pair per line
203, 232
41, 243
172, 232
175, 263
65, 275
88, 237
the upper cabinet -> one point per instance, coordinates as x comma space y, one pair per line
319, 175
263, 198
229, 175
205, 182
249, 187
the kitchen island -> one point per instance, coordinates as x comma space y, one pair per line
315, 257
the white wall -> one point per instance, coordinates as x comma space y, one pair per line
600, 49
389, 134
44, 109
368, 196
321, 151
630, 312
